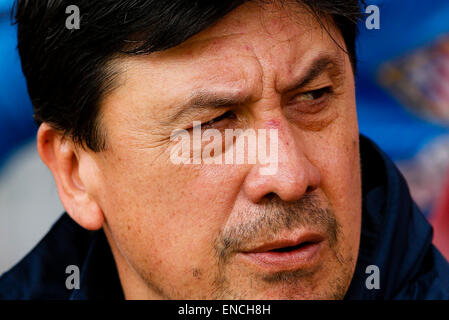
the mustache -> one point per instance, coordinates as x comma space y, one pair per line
275, 215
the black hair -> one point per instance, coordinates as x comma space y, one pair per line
67, 69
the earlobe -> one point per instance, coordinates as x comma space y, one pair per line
75, 189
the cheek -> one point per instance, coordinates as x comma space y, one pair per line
338, 159
163, 216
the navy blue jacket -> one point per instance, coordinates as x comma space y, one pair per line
396, 237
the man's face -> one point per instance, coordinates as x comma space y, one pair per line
226, 230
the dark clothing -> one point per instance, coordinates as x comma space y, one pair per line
395, 237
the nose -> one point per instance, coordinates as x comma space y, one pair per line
295, 175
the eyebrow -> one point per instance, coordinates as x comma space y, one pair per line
207, 99
319, 65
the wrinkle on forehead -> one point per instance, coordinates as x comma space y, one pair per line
243, 31
273, 22
272, 19
236, 53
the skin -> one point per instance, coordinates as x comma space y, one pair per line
165, 222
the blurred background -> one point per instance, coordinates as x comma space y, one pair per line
402, 98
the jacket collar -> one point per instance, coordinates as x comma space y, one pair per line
395, 236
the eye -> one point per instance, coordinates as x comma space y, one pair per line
227, 115
312, 96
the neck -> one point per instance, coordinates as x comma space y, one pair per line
133, 285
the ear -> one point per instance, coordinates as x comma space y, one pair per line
75, 173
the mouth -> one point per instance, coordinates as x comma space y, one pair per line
287, 254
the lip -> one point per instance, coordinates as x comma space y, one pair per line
305, 255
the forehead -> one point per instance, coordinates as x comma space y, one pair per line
261, 28
251, 46
254, 23
253, 29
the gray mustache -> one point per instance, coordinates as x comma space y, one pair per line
275, 215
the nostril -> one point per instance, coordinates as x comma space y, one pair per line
271, 196
310, 189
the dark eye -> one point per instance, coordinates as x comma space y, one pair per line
226, 115
313, 95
